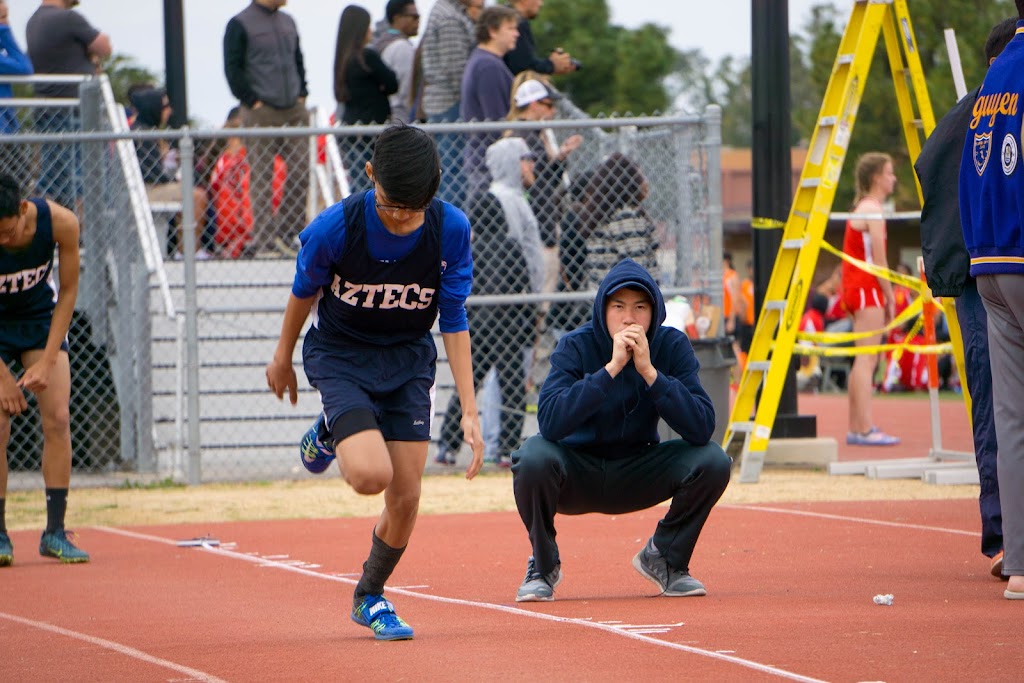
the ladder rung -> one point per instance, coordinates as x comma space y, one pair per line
743, 427
775, 305
828, 120
845, 59
759, 365
810, 182
806, 215
917, 123
794, 244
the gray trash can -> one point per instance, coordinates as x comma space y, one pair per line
716, 360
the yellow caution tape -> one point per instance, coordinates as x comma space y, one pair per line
908, 281
834, 351
848, 337
758, 223
918, 324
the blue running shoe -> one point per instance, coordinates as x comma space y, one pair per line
7, 550
316, 455
56, 544
376, 613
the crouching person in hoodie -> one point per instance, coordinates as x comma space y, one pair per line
611, 380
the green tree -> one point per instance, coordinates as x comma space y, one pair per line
878, 126
697, 83
624, 70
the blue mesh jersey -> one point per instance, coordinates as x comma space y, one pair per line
27, 290
376, 287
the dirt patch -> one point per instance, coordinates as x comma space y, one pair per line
331, 497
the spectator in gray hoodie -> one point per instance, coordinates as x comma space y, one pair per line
507, 259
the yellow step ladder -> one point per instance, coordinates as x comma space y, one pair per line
772, 347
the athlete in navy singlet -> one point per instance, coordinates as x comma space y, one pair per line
375, 271
35, 314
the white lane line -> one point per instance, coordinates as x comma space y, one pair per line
845, 518
254, 559
194, 674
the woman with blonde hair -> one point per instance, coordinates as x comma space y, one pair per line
867, 298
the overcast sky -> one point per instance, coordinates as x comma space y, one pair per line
135, 28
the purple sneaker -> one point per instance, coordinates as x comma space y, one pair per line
315, 454
875, 437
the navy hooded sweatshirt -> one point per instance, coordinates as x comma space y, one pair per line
584, 408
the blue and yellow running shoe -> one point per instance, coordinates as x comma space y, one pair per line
376, 613
56, 544
315, 454
6, 550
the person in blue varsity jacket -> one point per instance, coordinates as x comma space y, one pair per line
376, 270
35, 314
948, 267
992, 215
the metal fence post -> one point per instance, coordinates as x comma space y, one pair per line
143, 327
93, 238
713, 153
188, 248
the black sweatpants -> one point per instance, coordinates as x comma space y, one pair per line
549, 478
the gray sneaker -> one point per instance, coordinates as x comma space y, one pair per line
672, 582
537, 588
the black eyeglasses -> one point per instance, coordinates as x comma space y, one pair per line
392, 208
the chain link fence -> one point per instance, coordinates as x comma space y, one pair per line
65, 150
185, 278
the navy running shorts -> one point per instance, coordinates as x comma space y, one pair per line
395, 383
19, 336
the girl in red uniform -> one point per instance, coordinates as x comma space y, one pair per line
867, 298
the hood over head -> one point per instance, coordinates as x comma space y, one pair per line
627, 273
503, 158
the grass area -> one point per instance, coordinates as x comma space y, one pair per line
167, 502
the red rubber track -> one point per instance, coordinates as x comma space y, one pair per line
790, 598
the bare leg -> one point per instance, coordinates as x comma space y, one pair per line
365, 462
860, 383
402, 496
5, 438
55, 416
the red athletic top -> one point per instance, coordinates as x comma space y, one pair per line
857, 243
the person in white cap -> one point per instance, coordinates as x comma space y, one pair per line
535, 100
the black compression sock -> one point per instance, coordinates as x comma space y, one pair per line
377, 569
56, 506
3, 515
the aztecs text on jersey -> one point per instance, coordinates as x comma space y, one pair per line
23, 280
410, 297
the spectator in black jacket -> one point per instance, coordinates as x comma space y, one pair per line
524, 56
265, 69
362, 83
947, 268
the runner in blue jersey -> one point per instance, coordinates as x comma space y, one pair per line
375, 271
35, 314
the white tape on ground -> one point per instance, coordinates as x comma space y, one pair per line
193, 674
264, 562
844, 518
